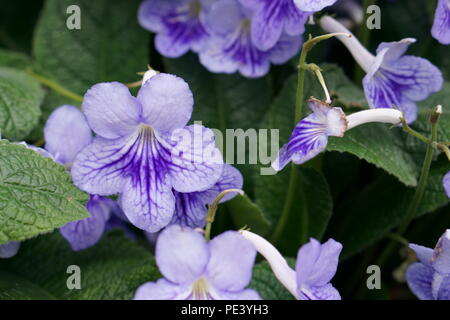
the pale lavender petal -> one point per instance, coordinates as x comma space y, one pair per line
317, 264
296, 20
194, 162
246, 294
251, 4
286, 48
326, 292
391, 51
181, 254
419, 278
441, 256
161, 290
424, 254
446, 183
268, 24
310, 136
231, 261
224, 17
9, 249
85, 233
313, 5
150, 14
441, 25
166, 101
444, 292
66, 133
112, 112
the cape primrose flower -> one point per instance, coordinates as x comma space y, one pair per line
143, 149
446, 183
441, 25
66, 134
194, 269
191, 208
310, 136
313, 5
231, 48
179, 24
315, 267
429, 279
392, 78
9, 249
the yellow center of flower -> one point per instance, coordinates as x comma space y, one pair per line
199, 290
195, 8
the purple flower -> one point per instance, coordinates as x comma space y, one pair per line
446, 183
66, 134
194, 269
179, 24
143, 149
393, 79
191, 208
313, 5
441, 25
230, 47
9, 249
429, 279
315, 267
310, 136
272, 18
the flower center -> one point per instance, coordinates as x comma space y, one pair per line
194, 8
199, 290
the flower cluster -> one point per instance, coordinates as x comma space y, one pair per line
230, 35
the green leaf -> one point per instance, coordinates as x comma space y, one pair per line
265, 283
14, 59
20, 100
36, 194
246, 213
13, 287
110, 46
113, 269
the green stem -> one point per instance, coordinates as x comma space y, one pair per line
55, 86
414, 133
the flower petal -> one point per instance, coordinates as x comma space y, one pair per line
85, 233
231, 261
286, 48
112, 112
181, 254
441, 256
317, 264
194, 162
66, 133
424, 254
166, 102
441, 25
419, 278
9, 249
268, 24
313, 5
150, 13
161, 290
444, 291
326, 292
446, 183
224, 17
246, 294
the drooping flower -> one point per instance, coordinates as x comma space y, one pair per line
392, 78
66, 134
194, 269
191, 208
441, 25
446, 183
310, 136
315, 267
230, 47
272, 18
9, 249
143, 149
429, 279
179, 24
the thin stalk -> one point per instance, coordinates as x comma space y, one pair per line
55, 86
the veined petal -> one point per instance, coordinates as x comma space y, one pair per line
9, 249
268, 23
194, 162
391, 51
167, 102
112, 112
419, 278
326, 292
181, 254
441, 25
444, 291
313, 5
66, 133
231, 261
441, 256
246, 294
446, 183
310, 136
286, 48
85, 233
424, 254
161, 290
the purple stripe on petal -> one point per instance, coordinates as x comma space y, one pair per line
419, 278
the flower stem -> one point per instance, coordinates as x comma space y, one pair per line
55, 86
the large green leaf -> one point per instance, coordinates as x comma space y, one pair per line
245, 213
20, 100
36, 194
112, 269
110, 46
14, 59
